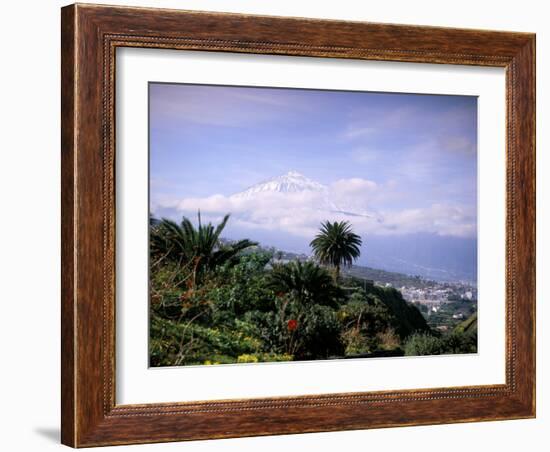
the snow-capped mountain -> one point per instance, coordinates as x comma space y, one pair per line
290, 182
295, 182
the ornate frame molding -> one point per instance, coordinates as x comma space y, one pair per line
90, 37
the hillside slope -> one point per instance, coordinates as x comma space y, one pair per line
407, 319
467, 326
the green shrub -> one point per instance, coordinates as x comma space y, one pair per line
319, 334
456, 342
420, 344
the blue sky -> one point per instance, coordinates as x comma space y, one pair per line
410, 159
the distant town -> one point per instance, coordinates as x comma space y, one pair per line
444, 305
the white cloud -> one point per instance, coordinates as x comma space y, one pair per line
353, 186
300, 214
440, 219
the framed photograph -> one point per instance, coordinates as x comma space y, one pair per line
281, 225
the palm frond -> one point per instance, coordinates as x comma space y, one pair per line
304, 281
184, 243
336, 244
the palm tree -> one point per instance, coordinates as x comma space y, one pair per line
200, 248
305, 282
336, 245
302, 289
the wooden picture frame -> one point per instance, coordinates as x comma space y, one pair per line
90, 36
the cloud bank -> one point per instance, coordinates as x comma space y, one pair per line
362, 202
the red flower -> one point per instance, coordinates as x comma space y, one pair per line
280, 294
292, 324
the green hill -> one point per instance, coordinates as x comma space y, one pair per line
406, 318
386, 277
467, 326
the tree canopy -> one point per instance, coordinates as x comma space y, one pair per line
336, 245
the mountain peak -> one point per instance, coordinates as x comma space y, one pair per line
293, 182
290, 182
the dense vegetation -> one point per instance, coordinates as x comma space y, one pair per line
386, 277
214, 301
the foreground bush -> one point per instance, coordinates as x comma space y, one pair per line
420, 344
423, 344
